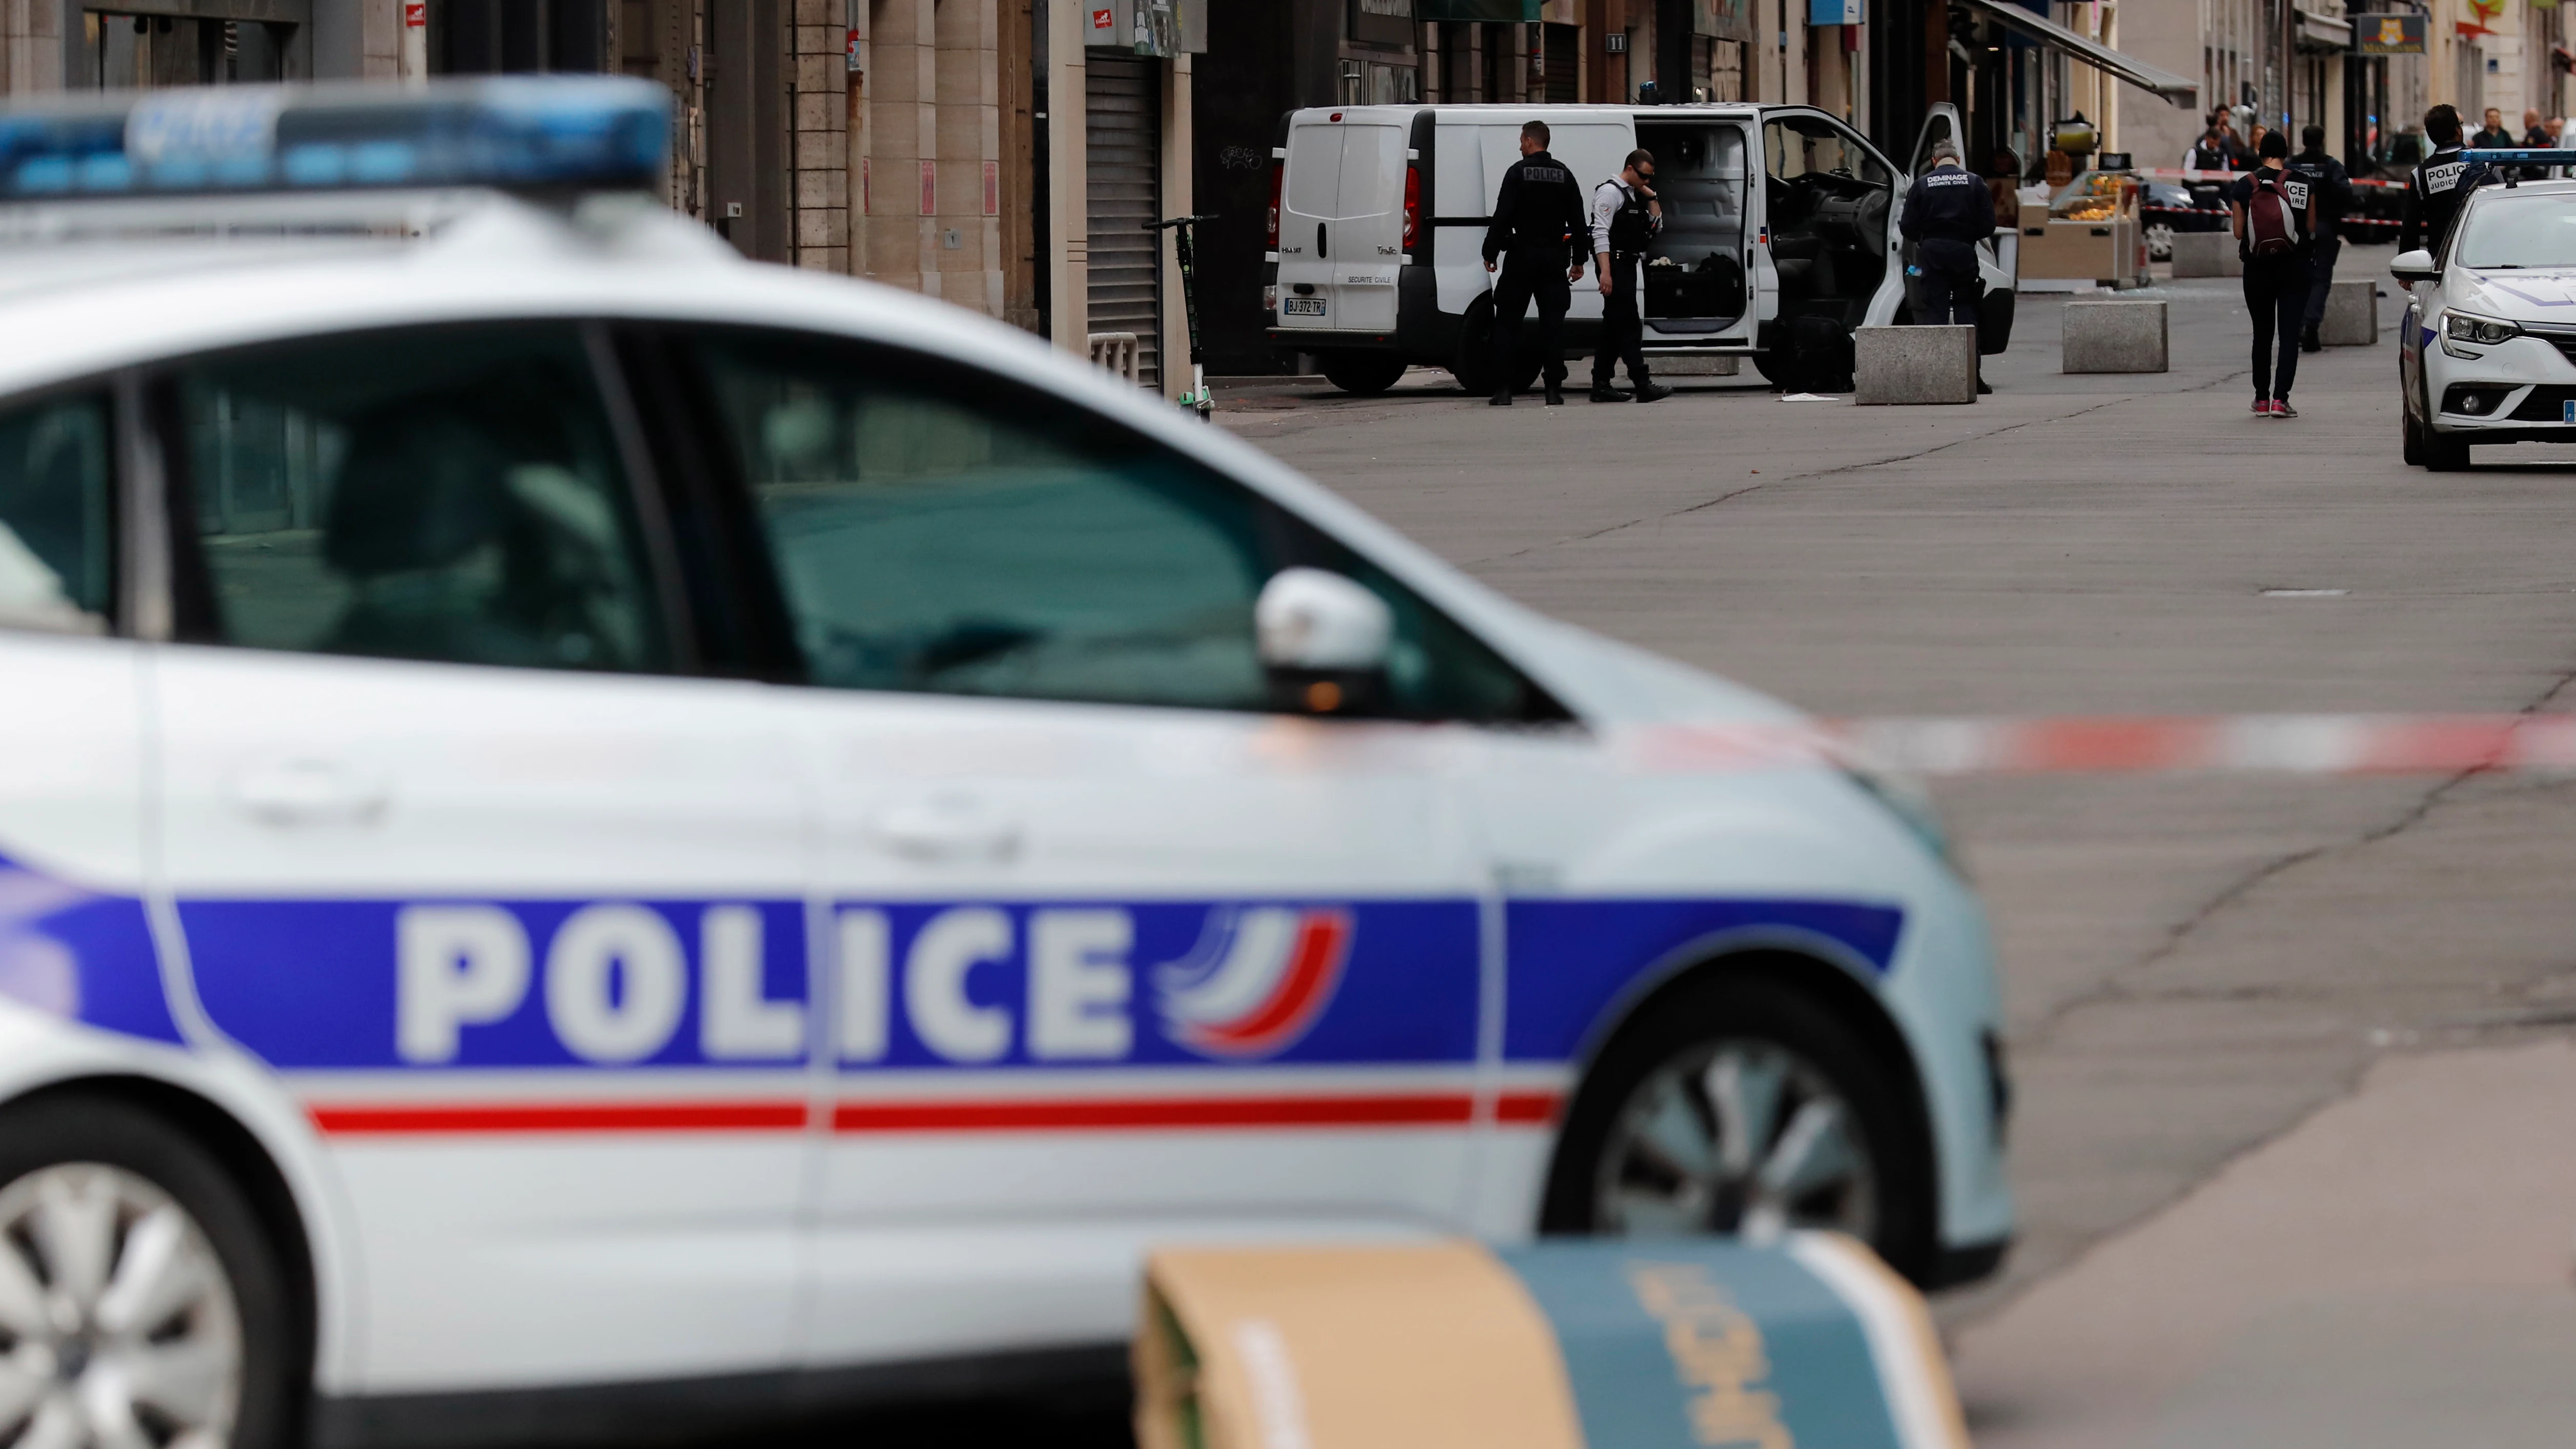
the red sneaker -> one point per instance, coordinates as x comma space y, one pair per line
2262, 407
2281, 408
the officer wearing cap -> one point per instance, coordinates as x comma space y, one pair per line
1947, 213
1539, 227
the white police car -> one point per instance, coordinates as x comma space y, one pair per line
590, 831
2487, 353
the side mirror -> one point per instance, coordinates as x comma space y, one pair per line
2415, 266
1324, 640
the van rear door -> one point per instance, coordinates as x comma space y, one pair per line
1341, 221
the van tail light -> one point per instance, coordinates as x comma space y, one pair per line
1276, 172
1412, 207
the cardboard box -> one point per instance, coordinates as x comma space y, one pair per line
1698, 1343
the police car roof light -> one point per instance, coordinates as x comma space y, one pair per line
513, 132
2500, 157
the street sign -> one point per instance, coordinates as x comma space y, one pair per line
2388, 34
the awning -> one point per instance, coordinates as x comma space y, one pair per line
1523, 11
2324, 32
2181, 90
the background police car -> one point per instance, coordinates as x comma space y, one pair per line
2484, 353
581, 812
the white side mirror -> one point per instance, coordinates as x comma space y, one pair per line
2415, 266
1316, 621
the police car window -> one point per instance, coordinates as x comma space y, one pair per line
451, 494
930, 536
57, 537
2507, 232
935, 529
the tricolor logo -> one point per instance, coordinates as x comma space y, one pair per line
1256, 981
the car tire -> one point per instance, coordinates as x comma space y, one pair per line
2443, 454
2410, 435
1362, 374
1862, 1158
2160, 237
110, 1182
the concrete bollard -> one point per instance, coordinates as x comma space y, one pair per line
2206, 254
2114, 336
1914, 365
2352, 314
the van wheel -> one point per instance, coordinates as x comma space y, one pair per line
1525, 371
140, 1297
1473, 365
1738, 1105
1365, 374
1773, 367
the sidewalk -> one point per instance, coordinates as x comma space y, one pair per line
2395, 1271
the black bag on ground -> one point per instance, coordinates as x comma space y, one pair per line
1820, 355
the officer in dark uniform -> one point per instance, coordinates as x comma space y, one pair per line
1538, 222
1947, 213
2320, 187
2439, 183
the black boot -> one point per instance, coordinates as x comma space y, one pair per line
1652, 391
1555, 393
1982, 388
2309, 341
1502, 396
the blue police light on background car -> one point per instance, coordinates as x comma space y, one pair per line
603, 812
594, 133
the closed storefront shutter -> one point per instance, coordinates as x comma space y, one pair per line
1123, 173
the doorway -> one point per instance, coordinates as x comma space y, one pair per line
745, 72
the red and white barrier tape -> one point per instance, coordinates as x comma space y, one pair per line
2323, 744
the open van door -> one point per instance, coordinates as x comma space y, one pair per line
1997, 256
1341, 221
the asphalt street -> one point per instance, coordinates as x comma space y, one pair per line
2194, 966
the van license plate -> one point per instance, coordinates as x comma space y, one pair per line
1314, 307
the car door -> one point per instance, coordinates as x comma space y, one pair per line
73, 941
511, 905
1127, 945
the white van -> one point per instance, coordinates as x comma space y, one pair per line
1378, 215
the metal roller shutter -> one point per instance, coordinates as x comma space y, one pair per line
1123, 174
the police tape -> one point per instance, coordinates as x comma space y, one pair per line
2292, 744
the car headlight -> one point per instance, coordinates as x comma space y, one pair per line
2461, 327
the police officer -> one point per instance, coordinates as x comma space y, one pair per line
2437, 185
1946, 214
1538, 222
2319, 186
1625, 216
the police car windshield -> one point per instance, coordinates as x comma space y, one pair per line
2510, 232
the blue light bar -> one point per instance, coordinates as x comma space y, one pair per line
2501, 157
515, 132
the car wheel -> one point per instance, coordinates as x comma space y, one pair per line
2160, 237
2444, 454
1365, 374
1737, 1105
2410, 434
140, 1301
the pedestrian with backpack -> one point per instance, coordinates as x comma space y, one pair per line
2272, 237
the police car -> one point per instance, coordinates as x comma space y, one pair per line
2488, 350
590, 830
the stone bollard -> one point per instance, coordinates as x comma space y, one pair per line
2114, 336
2206, 254
1914, 365
2352, 314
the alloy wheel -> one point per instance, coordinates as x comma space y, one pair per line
118, 1326
1735, 1136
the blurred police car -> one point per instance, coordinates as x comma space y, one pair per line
578, 811
2488, 350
